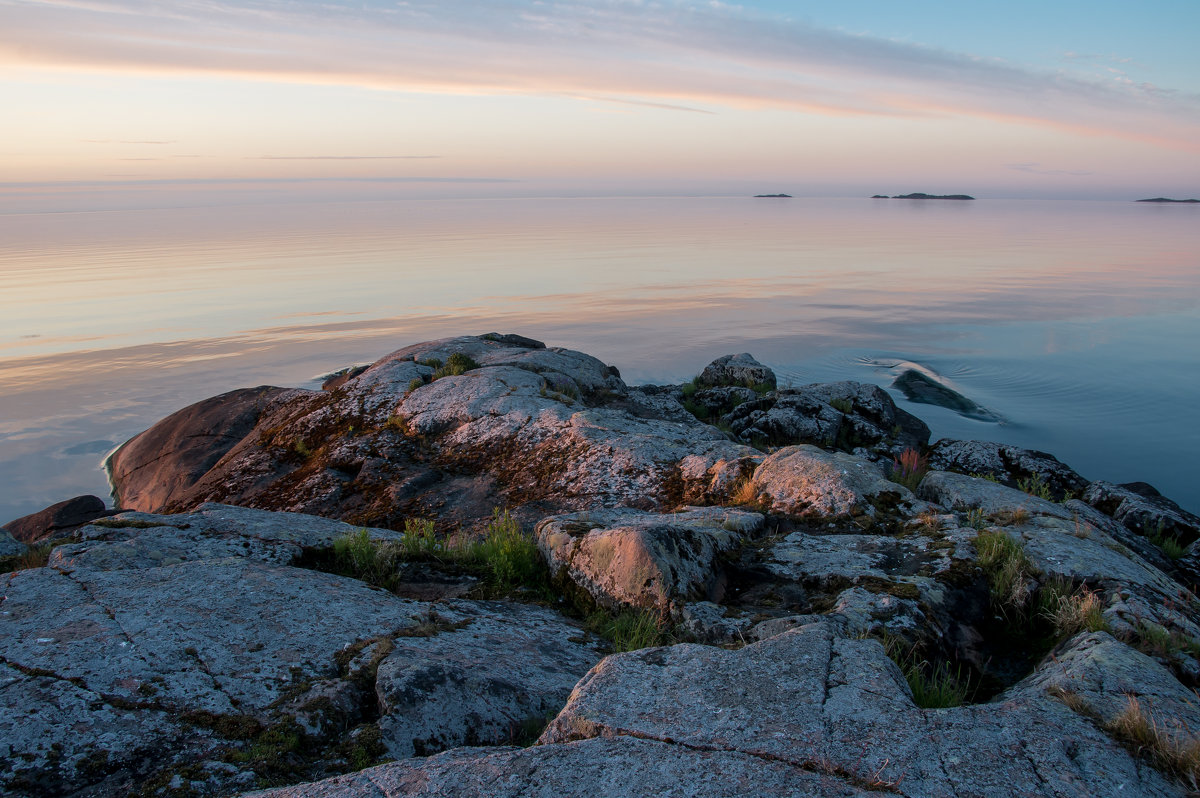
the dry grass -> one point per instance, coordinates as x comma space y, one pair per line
746, 493
909, 468
1079, 612
1174, 752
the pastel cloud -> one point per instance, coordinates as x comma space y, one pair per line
669, 55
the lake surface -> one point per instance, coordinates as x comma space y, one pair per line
1077, 322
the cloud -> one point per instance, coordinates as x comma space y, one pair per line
673, 56
1034, 168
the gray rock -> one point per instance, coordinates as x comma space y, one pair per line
495, 672
740, 369
843, 414
807, 699
10, 546
620, 767
920, 388
964, 493
148, 627
1143, 510
631, 559
57, 519
807, 481
1008, 464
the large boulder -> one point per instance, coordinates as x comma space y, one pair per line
453, 427
158, 467
57, 519
847, 415
807, 481
840, 706
627, 559
741, 370
1143, 510
1010, 465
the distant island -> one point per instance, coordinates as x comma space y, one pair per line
1165, 199
919, 195
772, 196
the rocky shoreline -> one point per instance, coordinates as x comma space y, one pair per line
486, 566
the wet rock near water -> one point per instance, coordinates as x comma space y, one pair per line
57, 519
803, 623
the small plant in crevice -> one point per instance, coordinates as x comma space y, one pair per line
842, 405
1071, 611
1035, 486
975, 519
1167, 542
933, 686
629, 630
1159, 641
420, 539
689, 389
510, 557
1172, 750
1008, 568
457, 364
909, 468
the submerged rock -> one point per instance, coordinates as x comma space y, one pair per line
918, 387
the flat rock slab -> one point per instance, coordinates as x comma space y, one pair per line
497, 670
964, 493
622, 767
152, 620
633, 559
808, 699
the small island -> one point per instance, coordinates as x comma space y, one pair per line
772, 196
921, 196
1166, 199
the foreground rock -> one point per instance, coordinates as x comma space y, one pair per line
161, 645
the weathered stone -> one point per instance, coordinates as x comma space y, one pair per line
152, 630
740, 369
57, 519
1008, 464
166, 460
842, 414
807, 481
806, 698
486, 674
963, 493
10, 546
1143, 510
621, 767
549, 426
631, 559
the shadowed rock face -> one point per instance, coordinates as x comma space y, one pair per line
917, 387
160, 467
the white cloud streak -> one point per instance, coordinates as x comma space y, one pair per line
669, 55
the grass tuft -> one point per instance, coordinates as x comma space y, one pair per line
456, 364
1008, 568
1177, 754
909, 468
1035, 486
933, 686
1071, 612
629, 630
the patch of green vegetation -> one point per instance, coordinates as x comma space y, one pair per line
988, 475
301, 448
909, 468
689, 389
842, 405
126, 523
975, 519
456, 364
1156, 640
1169, 543
33, 557
431, 362
696, 409
510, 558
629, 630
933, 686
413, 384
505, 558
1035, 486
1008, 569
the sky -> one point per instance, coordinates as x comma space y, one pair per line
1072, 99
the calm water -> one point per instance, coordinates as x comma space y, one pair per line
1076, 321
